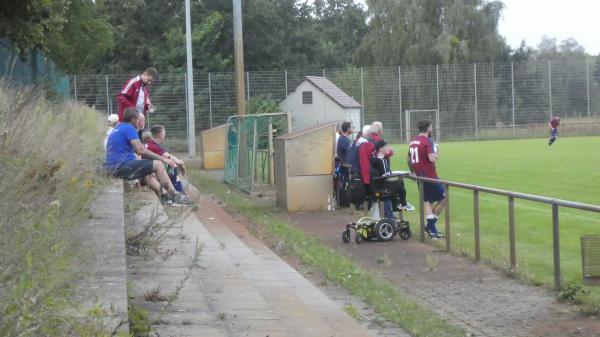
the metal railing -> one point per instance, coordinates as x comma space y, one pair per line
511, 196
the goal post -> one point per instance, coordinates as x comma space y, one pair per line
412, 117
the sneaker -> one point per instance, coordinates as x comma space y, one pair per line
407, 207
166, 199
180, 199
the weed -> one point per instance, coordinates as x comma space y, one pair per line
432, 262
571, 293
139, 321
385, 260
352, 312
154, 295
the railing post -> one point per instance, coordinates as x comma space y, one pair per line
421, 212
556, 245
511, 233
476, 221
447, 218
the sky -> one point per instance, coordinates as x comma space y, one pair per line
530, 20
560, 19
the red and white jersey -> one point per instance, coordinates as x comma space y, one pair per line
419, 149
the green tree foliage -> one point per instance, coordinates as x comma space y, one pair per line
26, 22
85, 38
432, 32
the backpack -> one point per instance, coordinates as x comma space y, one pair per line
355, 189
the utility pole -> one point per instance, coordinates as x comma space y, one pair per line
238, 49
190, 83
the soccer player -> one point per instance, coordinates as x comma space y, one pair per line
422, 155
553, 125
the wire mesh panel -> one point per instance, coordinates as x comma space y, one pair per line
249, 151
474, 101
590, 259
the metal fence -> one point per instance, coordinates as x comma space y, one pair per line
511, 196
474, 101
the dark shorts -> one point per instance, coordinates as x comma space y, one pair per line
133, 169
433, 192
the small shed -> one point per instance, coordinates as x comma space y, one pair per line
317, 100
304, 162
212, 147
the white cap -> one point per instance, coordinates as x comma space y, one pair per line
113, 118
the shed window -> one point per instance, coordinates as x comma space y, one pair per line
307, 97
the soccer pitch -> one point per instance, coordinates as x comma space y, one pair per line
569, 170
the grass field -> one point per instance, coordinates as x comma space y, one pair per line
569, 169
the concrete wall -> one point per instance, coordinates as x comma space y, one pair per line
303, 168
323, 109
212, 147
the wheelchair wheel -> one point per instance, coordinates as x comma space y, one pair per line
385, 230
405, 233
346, 236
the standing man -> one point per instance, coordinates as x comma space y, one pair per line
553, 125
422, 155
135, 93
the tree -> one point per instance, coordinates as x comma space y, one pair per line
432, 32
26, 22
85, 38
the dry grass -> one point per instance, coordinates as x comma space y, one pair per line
49, 153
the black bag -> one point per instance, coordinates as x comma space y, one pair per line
356, 189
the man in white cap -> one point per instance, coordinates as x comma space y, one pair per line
112, 122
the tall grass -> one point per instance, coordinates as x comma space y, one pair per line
48, 155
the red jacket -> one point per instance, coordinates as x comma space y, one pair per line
365, 152
128, 96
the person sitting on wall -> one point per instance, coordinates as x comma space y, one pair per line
122, 146
112, 121
154, 144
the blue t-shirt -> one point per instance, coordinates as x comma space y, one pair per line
118, 148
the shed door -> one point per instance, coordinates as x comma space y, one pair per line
354, 116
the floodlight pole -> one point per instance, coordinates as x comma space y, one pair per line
190, 82
238, 49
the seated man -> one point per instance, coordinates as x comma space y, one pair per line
153, 144
394, 188
122, 146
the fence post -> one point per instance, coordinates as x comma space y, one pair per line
447, 218
323, 72
437, 117
210, 117
475, 80
108, 110
362, 97
550, 85
587, 75
512, 90
187, 130
400, 99
476, 220
511, 233
286, 83
75, 85
421, 212
556, 245
248, 86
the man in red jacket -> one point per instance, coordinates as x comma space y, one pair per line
135, 93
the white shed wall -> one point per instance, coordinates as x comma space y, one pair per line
323, 108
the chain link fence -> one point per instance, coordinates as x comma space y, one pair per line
474, 101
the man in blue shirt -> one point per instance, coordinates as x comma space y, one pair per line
122, 146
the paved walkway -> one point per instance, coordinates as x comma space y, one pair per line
240, 287
481, 300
